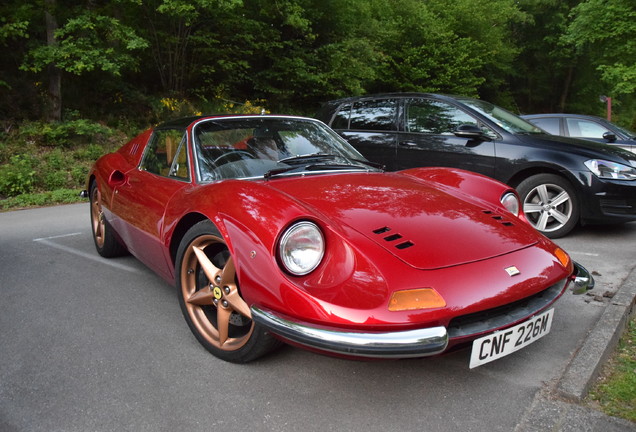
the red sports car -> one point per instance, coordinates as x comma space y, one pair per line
273, 229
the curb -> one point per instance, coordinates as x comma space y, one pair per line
583, 370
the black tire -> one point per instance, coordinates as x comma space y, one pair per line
550, 204
106, 243
210, 298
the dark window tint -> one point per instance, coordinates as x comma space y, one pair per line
341, 119
550, 125
374, 115
435, 117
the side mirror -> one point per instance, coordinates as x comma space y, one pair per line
470, 132
609, 137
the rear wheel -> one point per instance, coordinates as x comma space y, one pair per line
106, 243
550, 204
210, 298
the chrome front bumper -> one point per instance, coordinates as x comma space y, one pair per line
582, 280
400, 344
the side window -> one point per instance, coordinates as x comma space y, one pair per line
166, 154
374, 115
550, 125
341, 119
435, 117
585, 128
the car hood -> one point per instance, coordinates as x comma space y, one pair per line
418, 223
586, 148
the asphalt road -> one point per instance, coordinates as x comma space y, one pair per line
88, 344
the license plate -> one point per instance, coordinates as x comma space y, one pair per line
504, 342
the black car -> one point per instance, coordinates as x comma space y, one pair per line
586, 127
562, 181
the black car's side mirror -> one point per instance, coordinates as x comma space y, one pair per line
609, 137
471, 132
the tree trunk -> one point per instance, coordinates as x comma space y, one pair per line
53, 110
566, 88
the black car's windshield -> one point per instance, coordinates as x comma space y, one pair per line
505, 119
254, 147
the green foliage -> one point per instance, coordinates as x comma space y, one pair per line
18, 176
59, 196
64, 134
88, 42
122, 59
606, 33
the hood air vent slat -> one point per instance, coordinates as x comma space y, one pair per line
392, 238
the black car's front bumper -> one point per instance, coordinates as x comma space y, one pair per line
606, 200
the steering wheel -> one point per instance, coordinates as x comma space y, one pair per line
233, 153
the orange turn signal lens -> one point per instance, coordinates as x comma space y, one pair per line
421, 298
562, 256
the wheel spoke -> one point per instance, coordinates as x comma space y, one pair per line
210, 270
532, 208
233, 297
544, 196
560, 199
542, 222
223, 323
559, 216
203, 297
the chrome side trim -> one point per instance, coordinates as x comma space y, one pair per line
582, 280
399, 344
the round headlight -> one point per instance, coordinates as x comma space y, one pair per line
511, 202
302, 248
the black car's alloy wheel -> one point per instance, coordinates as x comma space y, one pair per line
550, 204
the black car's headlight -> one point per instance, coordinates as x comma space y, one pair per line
610, 170
511, 202
301, 248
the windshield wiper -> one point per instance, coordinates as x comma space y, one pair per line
307, 157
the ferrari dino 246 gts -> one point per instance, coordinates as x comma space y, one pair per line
273, 229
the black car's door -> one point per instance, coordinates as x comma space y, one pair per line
427, 138
371, 127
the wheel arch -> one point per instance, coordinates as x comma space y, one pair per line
520, 176
182, 227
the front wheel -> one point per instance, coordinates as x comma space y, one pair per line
211, 301
550, 204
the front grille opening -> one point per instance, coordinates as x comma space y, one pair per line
489, 320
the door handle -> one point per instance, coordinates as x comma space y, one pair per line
407, 144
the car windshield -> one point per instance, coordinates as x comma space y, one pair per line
505, 119
257, 147
627, 132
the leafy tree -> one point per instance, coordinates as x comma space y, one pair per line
80, 37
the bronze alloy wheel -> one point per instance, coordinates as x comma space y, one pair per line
212, 300
106, 243
97, 217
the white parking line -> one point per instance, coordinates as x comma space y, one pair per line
48, 241
583, 253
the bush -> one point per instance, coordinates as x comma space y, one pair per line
18, 176
64, 134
